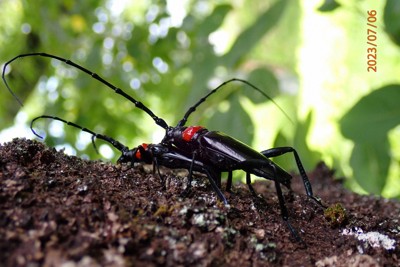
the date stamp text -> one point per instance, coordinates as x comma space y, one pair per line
372, 47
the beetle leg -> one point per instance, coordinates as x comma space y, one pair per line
190, 176
157, 166
218, 179
215, 186
248, 182
212, 177
278, 151
248, 166
284, 211
228, 187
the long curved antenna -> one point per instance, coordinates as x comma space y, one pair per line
193, 108
8, 87
108, 139
159, 121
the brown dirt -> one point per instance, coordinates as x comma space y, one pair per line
57, 209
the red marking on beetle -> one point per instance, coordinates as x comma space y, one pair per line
138, 155
188, 133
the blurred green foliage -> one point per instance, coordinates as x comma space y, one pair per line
167, 54
166, 67
391, 20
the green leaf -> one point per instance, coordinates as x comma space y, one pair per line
329, 5
266, 81
373, 116
284, 162
370, 163
214, 21
203, 54
308, 157
391, 17
253, 34
368, 123
234, 121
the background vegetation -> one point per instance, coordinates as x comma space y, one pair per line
311, 56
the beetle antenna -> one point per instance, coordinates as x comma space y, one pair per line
108, 139
194, 107
159, 121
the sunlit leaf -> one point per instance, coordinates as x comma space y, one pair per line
373, 115
253, 34
309, 157
214, 21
